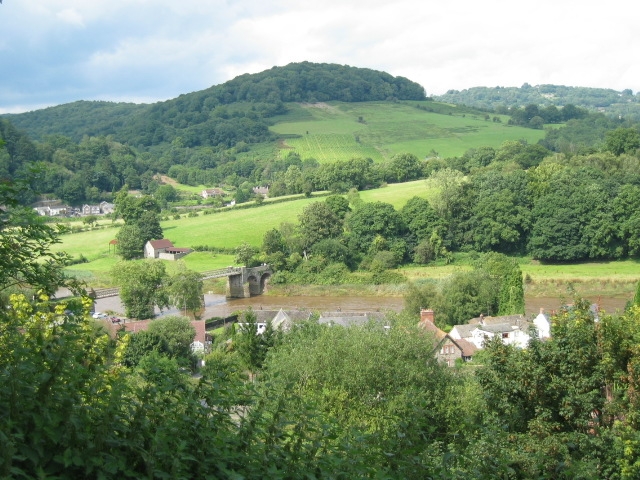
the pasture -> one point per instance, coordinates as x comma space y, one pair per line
225, 229
378, 130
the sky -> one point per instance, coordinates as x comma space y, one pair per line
143, 51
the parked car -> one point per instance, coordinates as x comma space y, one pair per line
99, 315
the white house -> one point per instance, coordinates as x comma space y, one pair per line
510, 335
164, 250
512, 329
52, 210
154, 248
211, 192
542, 324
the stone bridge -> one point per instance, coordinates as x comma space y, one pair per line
246, 282
243, 282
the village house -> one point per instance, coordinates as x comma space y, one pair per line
211, 192
511, 329
264, 191
103, 208
164, 250
90, 210
280, 319
52, 208
106, 208
284, 320
52, 211
446, 349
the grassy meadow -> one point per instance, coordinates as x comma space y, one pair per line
339, 131
224, 229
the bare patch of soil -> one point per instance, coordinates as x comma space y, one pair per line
168, 180
320, 105
283, 145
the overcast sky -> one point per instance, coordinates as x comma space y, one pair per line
59, 51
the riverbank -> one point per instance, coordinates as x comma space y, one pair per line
623, 289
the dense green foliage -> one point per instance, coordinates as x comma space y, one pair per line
141, 286
614, 103
141, 223
493, 287
325, 402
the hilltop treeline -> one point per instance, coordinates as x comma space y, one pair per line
503, 99
312, 82
222, 115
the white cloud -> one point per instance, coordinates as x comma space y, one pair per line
131, 49
71, 16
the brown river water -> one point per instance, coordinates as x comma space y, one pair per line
220, 306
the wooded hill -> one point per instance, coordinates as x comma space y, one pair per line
227, 135
499, 99
222, 114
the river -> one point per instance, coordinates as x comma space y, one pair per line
220, 306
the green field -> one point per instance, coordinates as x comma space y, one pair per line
225, 229
229, 228
378, 130
397, 194
329, 147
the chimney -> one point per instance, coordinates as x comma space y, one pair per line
541, 310
426, 315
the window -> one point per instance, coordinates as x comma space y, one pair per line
505, 335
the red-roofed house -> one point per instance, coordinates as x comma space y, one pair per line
164, 249
446, 349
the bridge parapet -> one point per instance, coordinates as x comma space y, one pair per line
221, 272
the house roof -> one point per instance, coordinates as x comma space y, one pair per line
201, 331
510, 319
430, 327
263, 316
164, 243
464, 330
468, 348
497, 328
346, 319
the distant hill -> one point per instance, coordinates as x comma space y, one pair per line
608, 101
220, 115
283, 127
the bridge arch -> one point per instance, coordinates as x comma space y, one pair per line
248, 282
